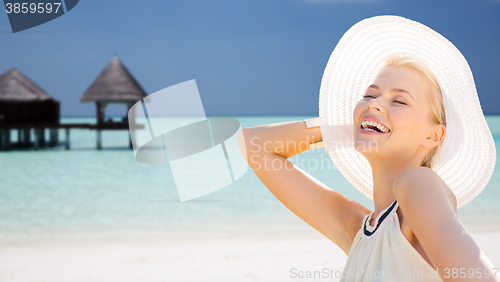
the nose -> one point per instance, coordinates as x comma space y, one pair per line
374, 104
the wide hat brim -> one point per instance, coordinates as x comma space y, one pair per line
467, 156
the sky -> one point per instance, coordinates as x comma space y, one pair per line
248, 57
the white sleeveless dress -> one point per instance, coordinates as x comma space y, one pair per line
382, 253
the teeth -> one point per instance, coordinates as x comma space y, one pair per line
379, 126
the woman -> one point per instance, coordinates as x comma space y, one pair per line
392, 154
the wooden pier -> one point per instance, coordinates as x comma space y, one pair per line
24, 133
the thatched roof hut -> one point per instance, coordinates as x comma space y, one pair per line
115, 84
22, 101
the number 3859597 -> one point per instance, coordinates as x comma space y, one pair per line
32, 8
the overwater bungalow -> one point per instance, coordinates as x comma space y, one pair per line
115, 84
25, 106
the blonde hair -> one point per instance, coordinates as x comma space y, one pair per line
435, 97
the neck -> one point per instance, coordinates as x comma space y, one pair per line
385, 173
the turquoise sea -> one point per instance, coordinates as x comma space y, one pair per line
53, 193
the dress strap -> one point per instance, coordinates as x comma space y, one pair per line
378, 221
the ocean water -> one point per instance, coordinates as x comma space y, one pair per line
53, 193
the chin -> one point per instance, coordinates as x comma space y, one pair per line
366, 147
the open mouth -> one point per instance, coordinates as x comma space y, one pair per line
374, 126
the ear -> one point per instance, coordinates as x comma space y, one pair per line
435, 136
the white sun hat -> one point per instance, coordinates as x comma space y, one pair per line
467, 156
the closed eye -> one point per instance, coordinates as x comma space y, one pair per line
370, 96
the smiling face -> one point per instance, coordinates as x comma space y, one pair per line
393, 120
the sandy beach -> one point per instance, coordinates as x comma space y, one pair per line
156, 259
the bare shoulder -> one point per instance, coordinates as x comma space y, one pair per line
424, 186
429, 211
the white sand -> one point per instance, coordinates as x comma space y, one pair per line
233, 260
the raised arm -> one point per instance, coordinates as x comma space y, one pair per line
267, 149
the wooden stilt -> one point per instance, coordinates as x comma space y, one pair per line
26, 133
2, 139
19, 137
42, 136
67, 138
99, 141
54, 137
37, 138
7, 139
99, 112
